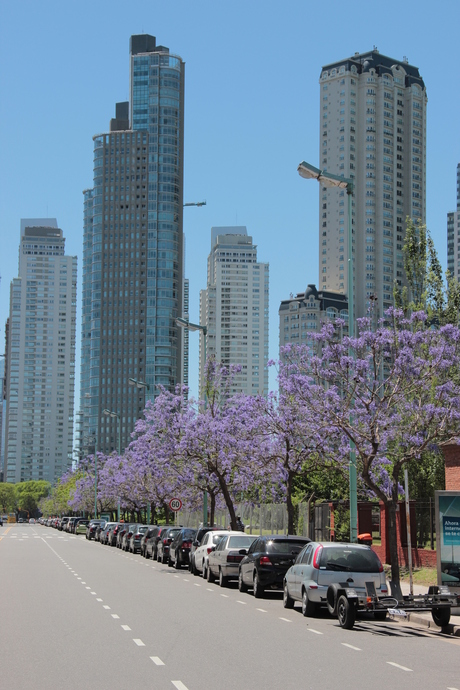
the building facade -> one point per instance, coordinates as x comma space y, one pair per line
40, 356
373, 132
453, 235
234, 309
133, 282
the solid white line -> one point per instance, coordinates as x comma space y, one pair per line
261, 610
285, 619
350, 646
114, 615
403, 668
156, 660
138, 642
241, 602
126, 627
179, 685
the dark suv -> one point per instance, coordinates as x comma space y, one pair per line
267, 562
179, 550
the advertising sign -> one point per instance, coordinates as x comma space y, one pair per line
448, 537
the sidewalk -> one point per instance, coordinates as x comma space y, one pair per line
424, 618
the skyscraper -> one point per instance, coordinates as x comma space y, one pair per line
133, 281
372, 131
40, 373
453, 235
234, 308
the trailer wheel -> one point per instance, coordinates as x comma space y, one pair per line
346, 613
441, 616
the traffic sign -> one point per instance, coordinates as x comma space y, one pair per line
175, 504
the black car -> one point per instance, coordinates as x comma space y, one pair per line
92, 527
179, 550
127, 536
166, 537
135, 541
121, 533
267, 561
149, 533
151, 544
113, 534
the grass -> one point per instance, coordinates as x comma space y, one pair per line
420, 576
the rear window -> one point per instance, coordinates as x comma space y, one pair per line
285, 546
188, 534
142, 530
239, 542
349, 560
217, 537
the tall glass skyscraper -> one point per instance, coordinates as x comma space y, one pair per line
133, 251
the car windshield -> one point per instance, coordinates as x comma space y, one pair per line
286, 546
240, 542
349, 560
142, 530
172, 533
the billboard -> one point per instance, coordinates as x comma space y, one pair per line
448, 537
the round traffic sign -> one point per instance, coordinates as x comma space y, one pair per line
175, 504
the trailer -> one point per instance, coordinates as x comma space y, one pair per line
346, 603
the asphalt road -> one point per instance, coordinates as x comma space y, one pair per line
75, 615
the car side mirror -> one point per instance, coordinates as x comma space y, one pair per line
243, 552
196, 543
213, 548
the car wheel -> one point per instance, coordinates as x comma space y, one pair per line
170, 563
308, 607
441, 617
209, 576
288, 601
193, 567
164, 559
241, 586
177, 563
346, 613
380, 615
223, 581
257, 587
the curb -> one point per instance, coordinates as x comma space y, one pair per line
450, 629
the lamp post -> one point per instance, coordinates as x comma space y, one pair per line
145, 386
309, 172
115, 415
183, 323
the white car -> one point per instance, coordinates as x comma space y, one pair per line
210, 540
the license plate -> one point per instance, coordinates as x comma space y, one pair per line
398, 613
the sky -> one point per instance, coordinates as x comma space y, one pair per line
251, 115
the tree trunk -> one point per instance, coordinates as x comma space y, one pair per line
228, 501
289, 504
212, 508
393, 539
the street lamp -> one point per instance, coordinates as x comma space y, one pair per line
145, 386
115, 415
183, 323
327, 179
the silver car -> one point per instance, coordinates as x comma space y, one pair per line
321, 564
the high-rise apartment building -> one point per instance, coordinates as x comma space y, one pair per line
234, 309
306, 312
453, 235
40, 373
133, 281
372, 131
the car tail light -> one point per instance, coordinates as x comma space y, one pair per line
187, 545
264, 560
317, 557
236, 558
165, 541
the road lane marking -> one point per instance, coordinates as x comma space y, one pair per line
403, 668
317, 632
83, 583
241, 602
106, 607
350, 646
179, 685
286, 620
126, 627
261, 610
99, 599
93, 592
209, 589
176, 575
196, 584
185, 580
87, 587
156, 660
115, 615
138, 642
225, 595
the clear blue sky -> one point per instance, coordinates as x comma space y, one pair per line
252, 114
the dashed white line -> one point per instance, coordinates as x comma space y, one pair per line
261, 610
179, 685
317, 632
176, 575
99, 599
241, 602
185, 580
156, 660
286, 620
115, 615
403, 668
209, 589
224, 595
350, 646
87, 587
196, 584
126, 627
93, 592
106, 607
139, 642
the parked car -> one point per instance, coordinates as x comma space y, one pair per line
179, 550
113, 534
321, 564
145, 536
135, 540
151, 544
70, 525
81, 526
92, 527
267, 562
225, 557
121, 531
166, 537
197, 541
127, 536
99, 529
105, 531
200, 557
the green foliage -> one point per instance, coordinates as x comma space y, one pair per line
7, 498
28, 495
